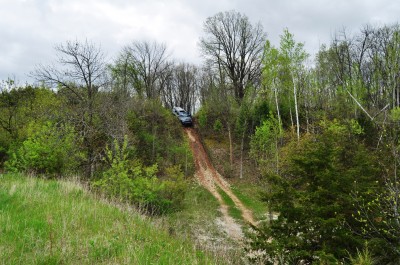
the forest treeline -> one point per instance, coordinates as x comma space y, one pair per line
320, 133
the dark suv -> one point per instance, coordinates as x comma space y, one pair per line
183, 116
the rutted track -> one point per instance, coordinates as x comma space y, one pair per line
211, 180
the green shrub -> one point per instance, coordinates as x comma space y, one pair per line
156, 195
217, 126
363, 257
49, 149
175, 187
115, 180
264, 144
131, 181
202, 117
157, 132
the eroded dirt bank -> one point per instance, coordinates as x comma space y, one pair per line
208, 176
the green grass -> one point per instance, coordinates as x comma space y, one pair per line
233, 211
199, 211
250, 196
197, 221
198, 205
59, 222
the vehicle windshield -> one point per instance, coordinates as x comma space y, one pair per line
183, 114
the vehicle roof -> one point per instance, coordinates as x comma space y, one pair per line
179, 109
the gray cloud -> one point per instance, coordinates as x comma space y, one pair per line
29, 29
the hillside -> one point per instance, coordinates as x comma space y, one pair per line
60, 222
291, 158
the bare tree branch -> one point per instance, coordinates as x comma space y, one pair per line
236, 46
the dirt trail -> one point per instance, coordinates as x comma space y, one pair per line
211, 180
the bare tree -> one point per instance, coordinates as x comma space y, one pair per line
80, 72
143, 65
206, 82
182, 87
235, 46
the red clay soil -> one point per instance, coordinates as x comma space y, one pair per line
211, 180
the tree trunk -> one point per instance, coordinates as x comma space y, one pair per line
396, 191
230, 146
90, 146
277, 110
291, 114
296, 109
90, 162
307, 120
241, 150
277, 156
153, 152
359, 104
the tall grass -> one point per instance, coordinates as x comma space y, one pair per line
59, 222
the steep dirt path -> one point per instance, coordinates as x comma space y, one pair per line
211, 180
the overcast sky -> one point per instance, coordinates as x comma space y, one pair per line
29, 29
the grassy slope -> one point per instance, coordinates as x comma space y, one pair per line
58, 222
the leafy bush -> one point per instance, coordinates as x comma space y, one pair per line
260, 112
115, 180
19, 108
49, 149
130, 181
159, 135
202, 117
175, 187
264, 144
217, 126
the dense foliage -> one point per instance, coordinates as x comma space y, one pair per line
126, 146
313, 196
323, 139
49, 149
333, 192
130, 181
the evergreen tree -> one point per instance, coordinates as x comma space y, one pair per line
313, 196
